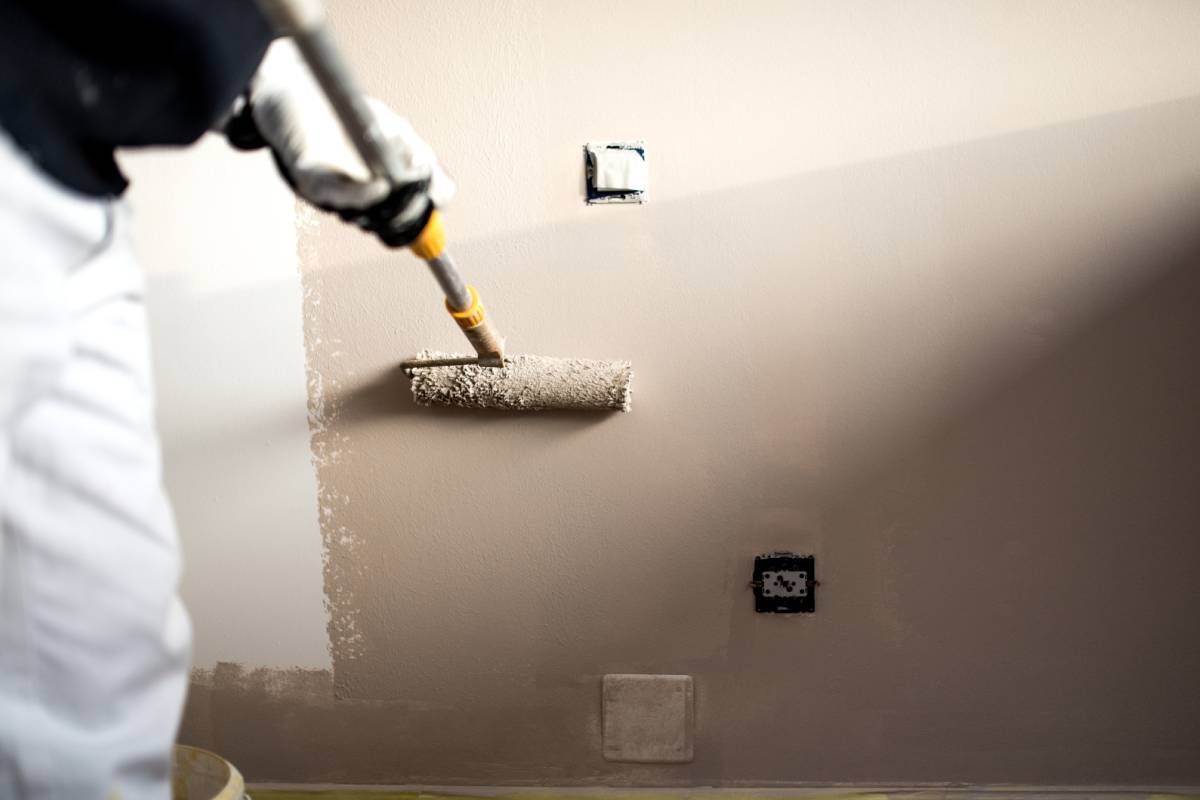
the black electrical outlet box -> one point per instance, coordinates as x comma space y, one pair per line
784, 583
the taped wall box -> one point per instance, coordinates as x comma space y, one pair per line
616, 172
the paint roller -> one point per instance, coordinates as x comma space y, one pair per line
489, 379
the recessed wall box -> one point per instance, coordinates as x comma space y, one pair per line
616, 172
784, 583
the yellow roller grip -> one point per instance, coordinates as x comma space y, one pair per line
432, 241
469, 317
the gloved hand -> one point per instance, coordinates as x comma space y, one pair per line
287, 109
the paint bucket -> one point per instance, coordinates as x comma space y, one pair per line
200, 775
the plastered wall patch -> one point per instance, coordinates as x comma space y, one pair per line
648, 718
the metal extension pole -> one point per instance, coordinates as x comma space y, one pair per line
304, 22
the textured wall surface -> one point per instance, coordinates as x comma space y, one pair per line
916, 291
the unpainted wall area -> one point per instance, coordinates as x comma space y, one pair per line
215, 234
916, 291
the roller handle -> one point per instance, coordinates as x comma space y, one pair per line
468, 312
304, 21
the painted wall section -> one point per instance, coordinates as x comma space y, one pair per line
916, 291
216, 235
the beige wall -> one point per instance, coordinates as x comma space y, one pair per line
216, 235
915, 291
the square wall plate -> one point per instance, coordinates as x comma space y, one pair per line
648, 718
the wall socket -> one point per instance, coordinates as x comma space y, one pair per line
784, 583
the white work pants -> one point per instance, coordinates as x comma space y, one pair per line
94, 643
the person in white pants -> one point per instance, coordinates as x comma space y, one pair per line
94, 642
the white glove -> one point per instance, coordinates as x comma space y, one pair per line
319, 160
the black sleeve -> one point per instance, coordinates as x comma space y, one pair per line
79, 79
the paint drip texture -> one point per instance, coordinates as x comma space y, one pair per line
526, 383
